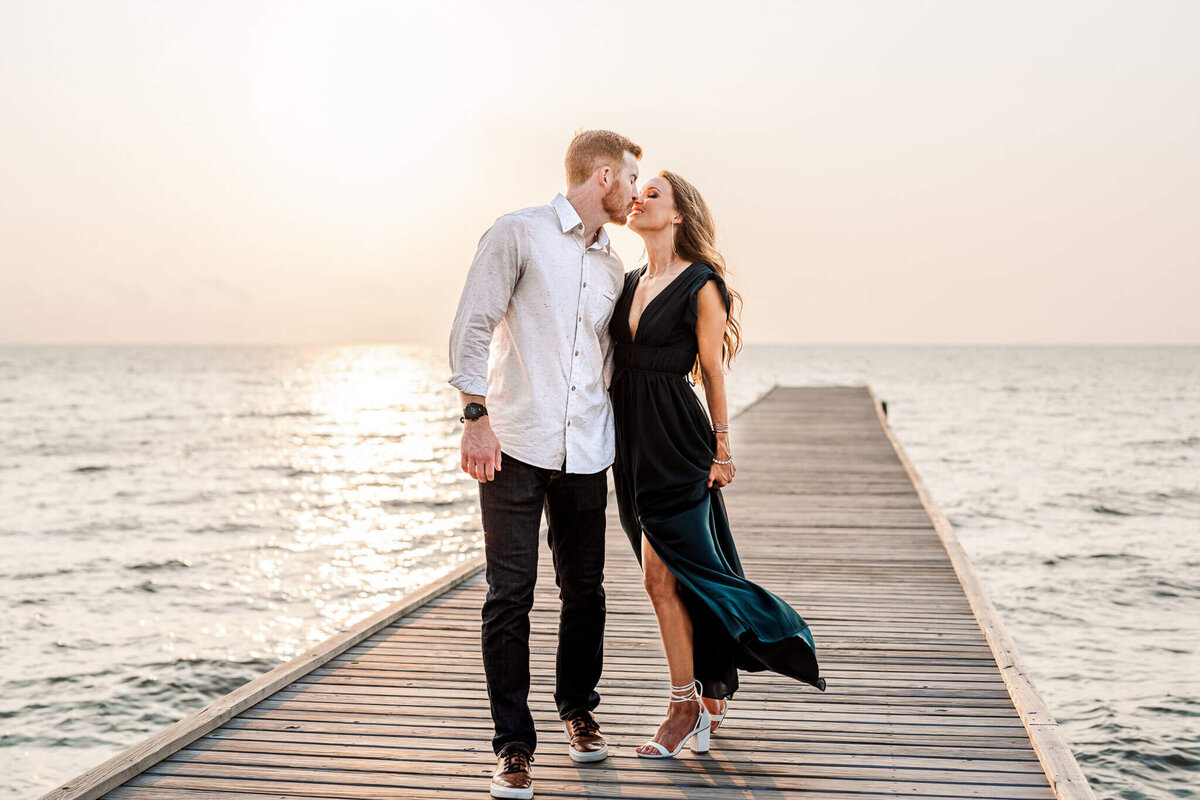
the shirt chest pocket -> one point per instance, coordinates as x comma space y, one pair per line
600, 307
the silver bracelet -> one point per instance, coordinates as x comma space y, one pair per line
719, 461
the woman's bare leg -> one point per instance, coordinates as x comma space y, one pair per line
675, 627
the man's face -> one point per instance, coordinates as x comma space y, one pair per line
618, 200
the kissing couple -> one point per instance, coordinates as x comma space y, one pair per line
567, 365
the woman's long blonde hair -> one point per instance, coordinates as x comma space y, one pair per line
696, 240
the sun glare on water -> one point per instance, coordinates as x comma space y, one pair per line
374, 504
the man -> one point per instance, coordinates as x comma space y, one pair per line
538, 434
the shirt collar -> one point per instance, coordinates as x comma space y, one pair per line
569, 220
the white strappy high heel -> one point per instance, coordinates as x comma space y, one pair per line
719, 718
689, 692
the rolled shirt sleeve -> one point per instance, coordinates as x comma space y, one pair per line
485, 298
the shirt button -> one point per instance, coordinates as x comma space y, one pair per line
572, 388
568, 423
576, 352
581, 319
585, 284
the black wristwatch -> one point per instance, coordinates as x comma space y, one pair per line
473, 411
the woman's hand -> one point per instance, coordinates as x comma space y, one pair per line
720, 475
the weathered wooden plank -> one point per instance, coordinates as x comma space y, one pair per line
800, 739
223, 761
618, 695
275, 741
401, 710
479, 727
576, 782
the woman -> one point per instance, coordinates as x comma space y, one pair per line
675, 317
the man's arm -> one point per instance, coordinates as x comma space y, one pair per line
490, 283
712, 317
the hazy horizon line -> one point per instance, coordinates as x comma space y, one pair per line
434, 344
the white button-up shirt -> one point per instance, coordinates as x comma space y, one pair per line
531, 333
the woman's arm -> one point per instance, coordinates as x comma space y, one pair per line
711, 318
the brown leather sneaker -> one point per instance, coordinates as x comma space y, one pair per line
587, 743
513, 776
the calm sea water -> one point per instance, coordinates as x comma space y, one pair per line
178, 520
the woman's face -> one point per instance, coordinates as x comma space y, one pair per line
654, 208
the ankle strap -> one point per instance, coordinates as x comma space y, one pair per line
687, 693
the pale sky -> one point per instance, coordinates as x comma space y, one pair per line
891, 172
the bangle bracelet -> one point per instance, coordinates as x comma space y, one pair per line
719, 461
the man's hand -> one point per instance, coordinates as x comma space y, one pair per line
480, 450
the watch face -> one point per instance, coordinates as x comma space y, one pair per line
474, 411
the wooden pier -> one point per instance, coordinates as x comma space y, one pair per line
927, 695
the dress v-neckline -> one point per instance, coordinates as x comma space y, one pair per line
633, 334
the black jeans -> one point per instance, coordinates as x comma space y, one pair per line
511, 506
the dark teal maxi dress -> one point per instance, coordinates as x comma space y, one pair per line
665, 446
